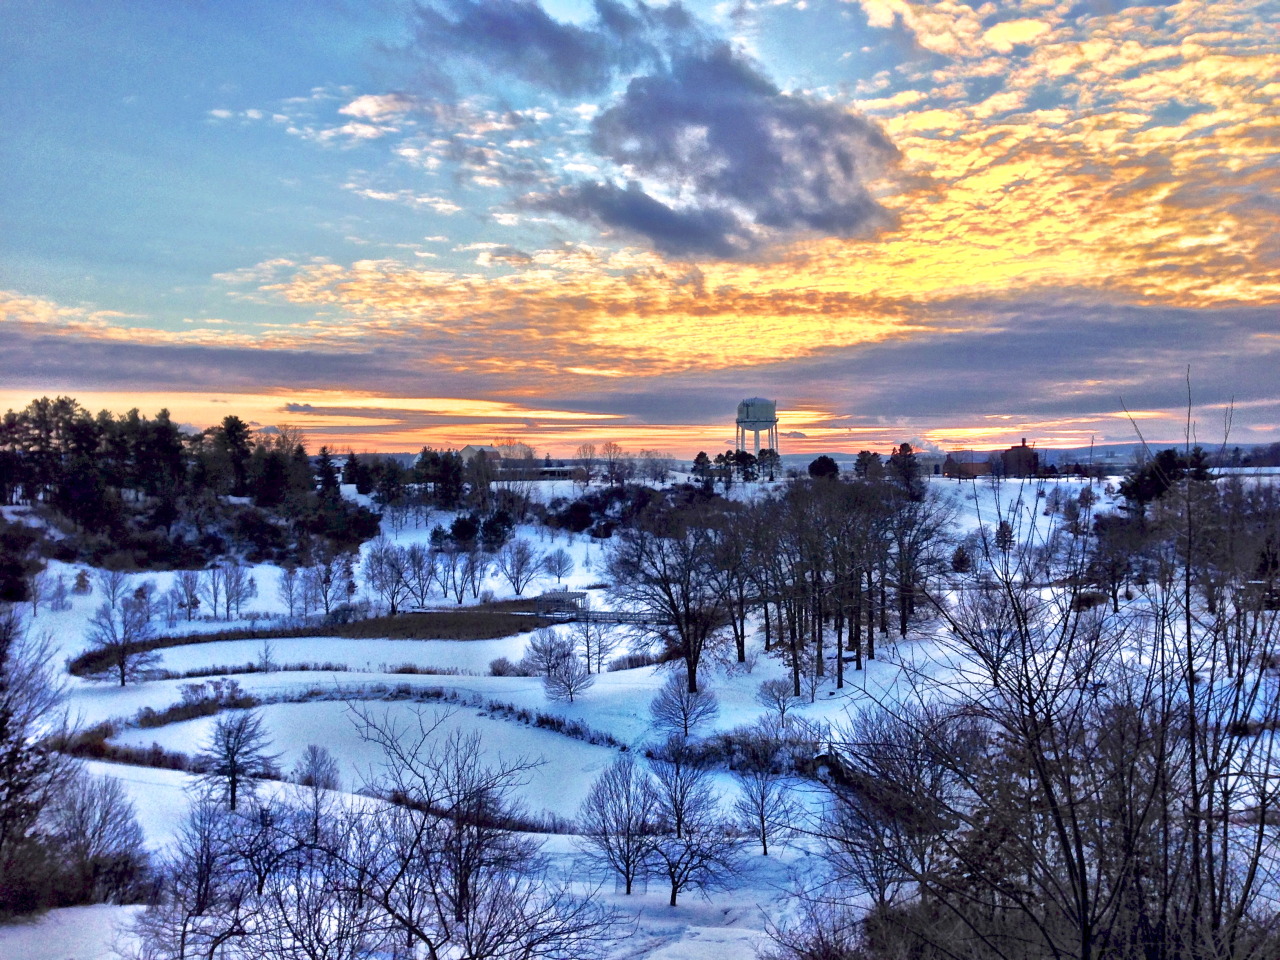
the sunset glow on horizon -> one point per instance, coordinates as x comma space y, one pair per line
560, 221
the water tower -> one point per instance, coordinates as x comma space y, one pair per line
758, 416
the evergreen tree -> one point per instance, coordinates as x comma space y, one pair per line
350, 468
232, 439
824, 468
326, 475
904, 470
868, 466
702, 470
770, 463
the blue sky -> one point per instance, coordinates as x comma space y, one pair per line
395, 224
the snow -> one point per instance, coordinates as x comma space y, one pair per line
731, 923
73, 933
370, 656
558, 782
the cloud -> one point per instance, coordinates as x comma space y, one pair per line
963, 377
746, 155
706, 156
377, 107
682, 233
408, 197
262, 272
520, 39
1005, 35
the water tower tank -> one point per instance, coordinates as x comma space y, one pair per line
757, 410
756, 416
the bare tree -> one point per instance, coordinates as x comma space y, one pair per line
654, 465
519, 563
419, 573
118, 637
704, 858
236, 755
289, 588
618, 821
765, 806
558, 563
308, 906
186, 586
447, 874
569, 678
586, 455
326, 581
104, 857
385, 569
663, 568
696, 849
612, 456
682, 781
596, 640
446, 568
676, 709
113, 584
240, 587
205, 898
547, 650
317, 768
213, 587
39, 586
473, 570
779, 696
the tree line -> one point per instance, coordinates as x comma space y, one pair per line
824, 566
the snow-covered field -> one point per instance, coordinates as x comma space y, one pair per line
730, 924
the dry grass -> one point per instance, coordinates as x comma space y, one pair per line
487, 622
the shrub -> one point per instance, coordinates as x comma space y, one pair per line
642, 658
503, 667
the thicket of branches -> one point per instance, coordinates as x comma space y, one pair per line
66, 837
426, 865
824, 566
1099, 779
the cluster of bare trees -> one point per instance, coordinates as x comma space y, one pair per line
618, 466
823, 564
66, 836
555, 658
661, 819
121, 629
399, 576
427, 865
1098, 780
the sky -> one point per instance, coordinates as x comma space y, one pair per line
402, 224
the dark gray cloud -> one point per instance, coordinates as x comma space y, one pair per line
1032, 357
44, 362
681, 232
520, 39
1029, 358
715, 128
713, 159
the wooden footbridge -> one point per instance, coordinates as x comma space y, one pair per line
570, 605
